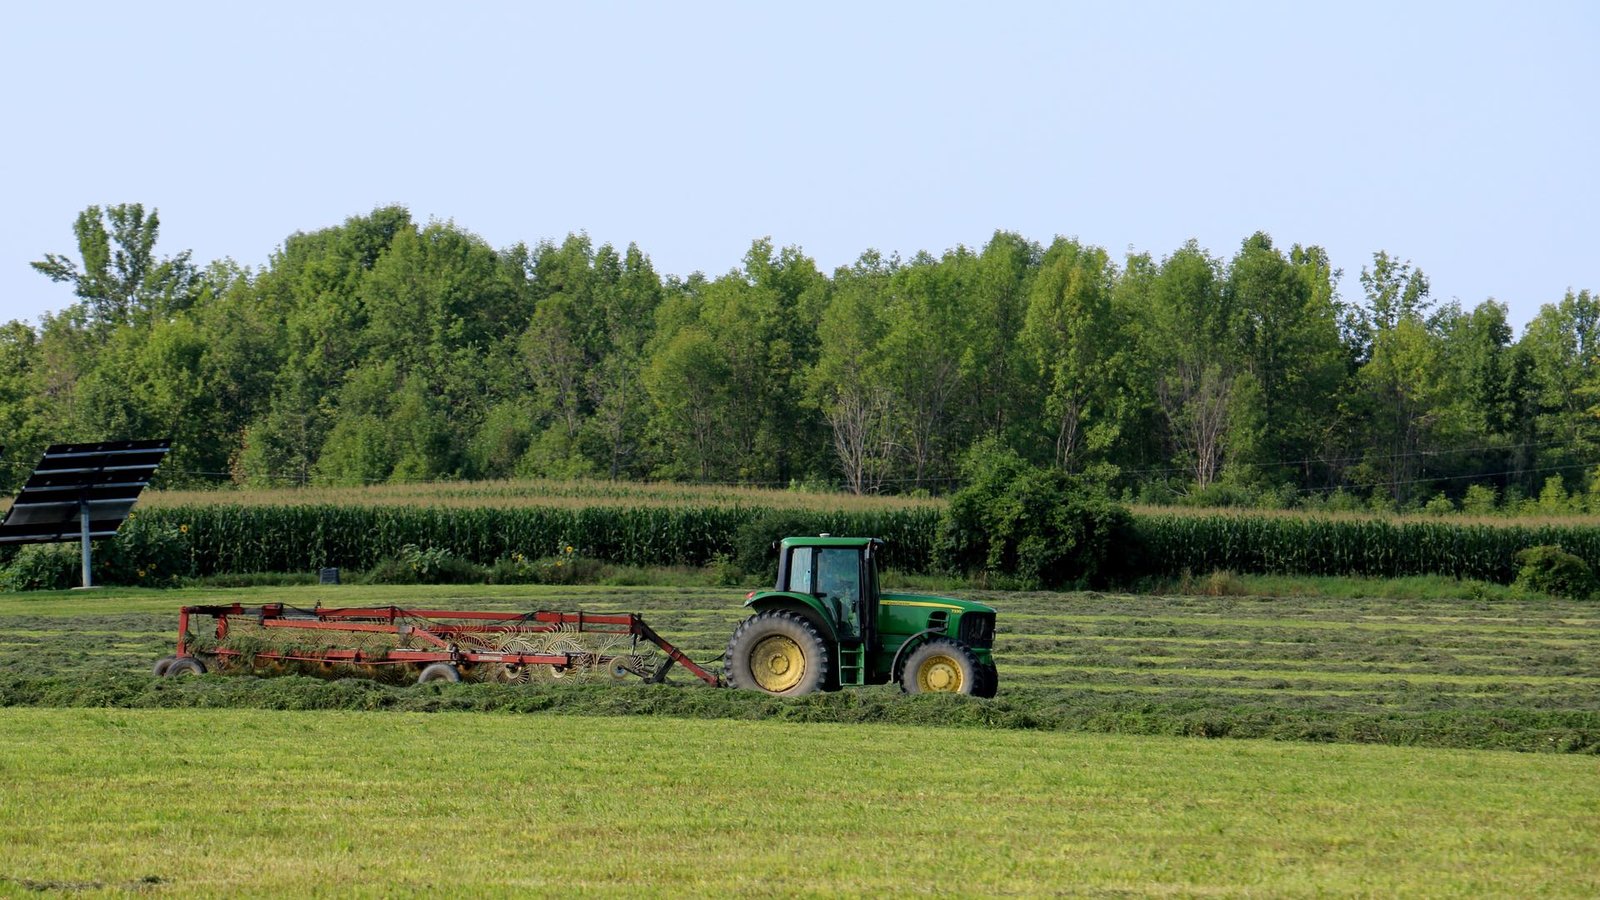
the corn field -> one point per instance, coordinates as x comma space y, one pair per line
238, 539
1171, 544
225, 538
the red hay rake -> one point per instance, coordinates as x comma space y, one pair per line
440, 644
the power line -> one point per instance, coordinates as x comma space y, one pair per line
1362, 458
1475, 475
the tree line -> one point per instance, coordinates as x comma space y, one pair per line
385, 349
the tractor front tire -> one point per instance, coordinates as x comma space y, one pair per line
160, 668
941, 666
988, 681
778, 652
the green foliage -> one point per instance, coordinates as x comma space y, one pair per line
564, 566
42, 567
1440, 505
1553, 499
1039, 525
384, 349
1548, 569
145, 552
753, 542
121, 280
240, 539
1315, 545
425, 565
1479, 500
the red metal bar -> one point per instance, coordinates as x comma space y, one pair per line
424, 624
677, 656
314, 625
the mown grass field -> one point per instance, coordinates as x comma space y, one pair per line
1472, 673
252, 802
1083, 777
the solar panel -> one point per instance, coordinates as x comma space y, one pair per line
81, 492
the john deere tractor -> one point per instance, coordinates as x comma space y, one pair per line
825, 624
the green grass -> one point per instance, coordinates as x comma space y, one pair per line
1465, 672
251, 802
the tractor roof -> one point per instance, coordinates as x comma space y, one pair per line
828, 540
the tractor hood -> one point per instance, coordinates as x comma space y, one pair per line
931, 602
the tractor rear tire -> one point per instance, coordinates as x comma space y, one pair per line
160, 668
778, 652
185, 665
941, 666
439, 672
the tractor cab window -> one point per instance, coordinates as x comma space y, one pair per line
839, 579
800, 570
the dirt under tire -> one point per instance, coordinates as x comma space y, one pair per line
778, 652
184, 665
439, 672
942, 666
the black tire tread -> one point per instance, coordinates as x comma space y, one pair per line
988, 681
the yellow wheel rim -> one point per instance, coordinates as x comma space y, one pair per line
940, 674
777, 664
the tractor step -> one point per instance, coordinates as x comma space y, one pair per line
851, 669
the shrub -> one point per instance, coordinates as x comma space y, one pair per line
1440, 505
1549, 569
42, 567
1041, 526
565, 566
145, 553
430, 565
725, 571
1480, 500
752, 542
514, 569
1553, 500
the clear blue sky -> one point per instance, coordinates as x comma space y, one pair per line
1462, 136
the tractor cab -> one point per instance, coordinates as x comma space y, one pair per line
826, 623
841, 573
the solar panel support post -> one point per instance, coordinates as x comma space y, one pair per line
83, 516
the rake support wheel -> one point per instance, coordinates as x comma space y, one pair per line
185, 665
439, 672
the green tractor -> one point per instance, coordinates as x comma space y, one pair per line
825, 624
